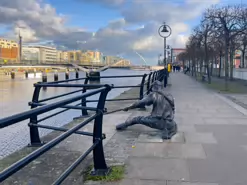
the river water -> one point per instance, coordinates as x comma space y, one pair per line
15, 95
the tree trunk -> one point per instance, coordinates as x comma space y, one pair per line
212, 65
191, 68
226, 63
206, 61
201, 67
194, 64
220, 64
215, 64
243, 58
231, 64
197, 63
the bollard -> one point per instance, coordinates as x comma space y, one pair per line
12, 75
66, 75
55, 77
76, 74
34, 71
26, 74
44, 77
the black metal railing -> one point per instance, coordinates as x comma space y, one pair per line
97, 147
40, 106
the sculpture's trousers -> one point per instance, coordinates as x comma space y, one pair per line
168, 127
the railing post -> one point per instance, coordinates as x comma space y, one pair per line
83, 103
84, 100
159, 75
142, 86
165, 77
100, 167
149, 82
34, 132
142, 90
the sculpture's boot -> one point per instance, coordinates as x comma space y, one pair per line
167, 133
124, 125
121, 126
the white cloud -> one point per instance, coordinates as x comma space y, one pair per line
42, 22
109, 3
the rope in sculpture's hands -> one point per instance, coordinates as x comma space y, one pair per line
118, 110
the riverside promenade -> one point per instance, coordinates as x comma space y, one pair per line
209, 149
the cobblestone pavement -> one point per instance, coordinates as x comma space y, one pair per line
209, 149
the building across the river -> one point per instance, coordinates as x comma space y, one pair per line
30, 54
8, 50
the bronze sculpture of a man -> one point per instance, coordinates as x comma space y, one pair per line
162, 115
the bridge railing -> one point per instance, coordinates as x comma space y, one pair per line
97, 147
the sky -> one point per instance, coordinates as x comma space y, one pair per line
115, 27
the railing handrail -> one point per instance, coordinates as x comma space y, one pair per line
32, 156
97, 146
7, 121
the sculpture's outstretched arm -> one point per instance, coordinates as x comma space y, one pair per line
148, 100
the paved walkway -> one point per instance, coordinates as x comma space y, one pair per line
210, 148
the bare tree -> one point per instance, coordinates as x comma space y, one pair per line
221, 31
218, 46
227, 20
243, 47
182, 57
205, 31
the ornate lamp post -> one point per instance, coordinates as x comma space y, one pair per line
165, 31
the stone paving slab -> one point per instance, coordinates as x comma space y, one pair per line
186, 128
157, 168
189, 183
169, 150
177, 138
228, 135
142, 182
207, 138
151, 137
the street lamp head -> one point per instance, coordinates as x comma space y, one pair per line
165, 30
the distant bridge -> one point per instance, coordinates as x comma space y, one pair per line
121, 63
86, 67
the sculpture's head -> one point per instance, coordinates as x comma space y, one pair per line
157, 86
